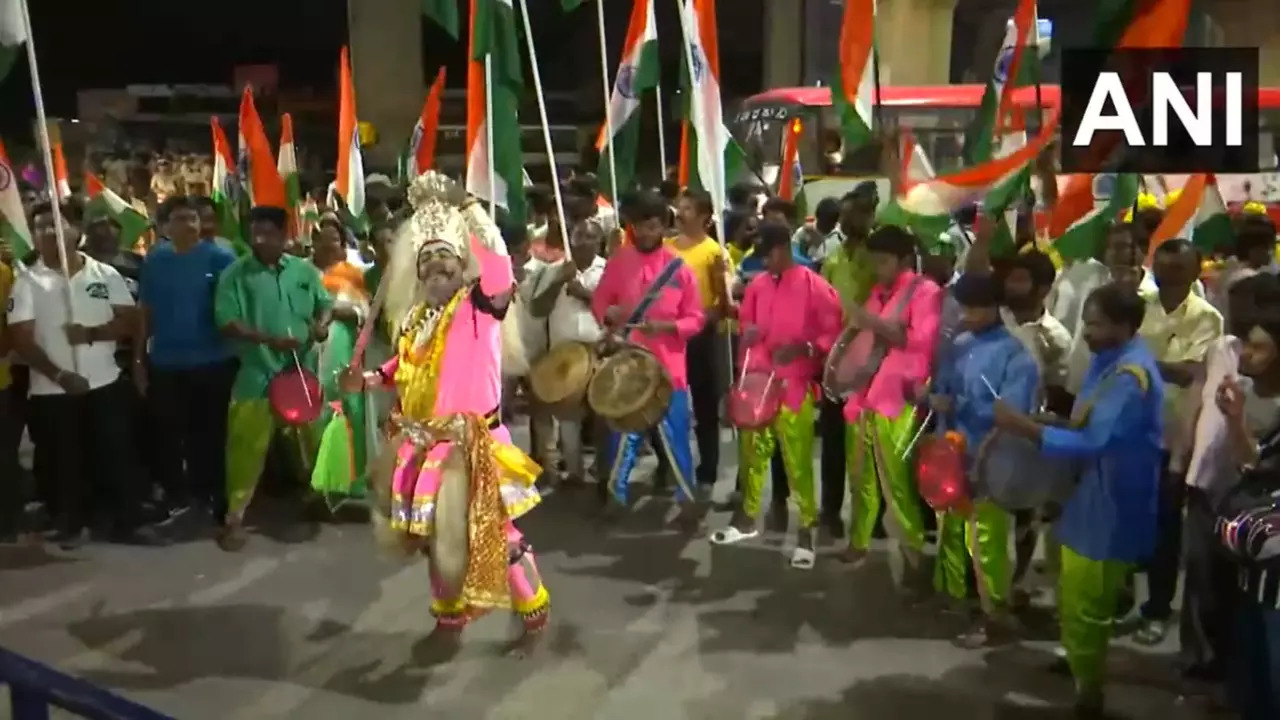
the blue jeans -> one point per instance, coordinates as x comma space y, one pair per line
1257, 673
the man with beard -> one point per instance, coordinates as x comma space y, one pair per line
1109, 522
450, 479
649, 296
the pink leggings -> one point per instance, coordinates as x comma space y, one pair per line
529, 597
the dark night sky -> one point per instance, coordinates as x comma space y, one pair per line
114, 43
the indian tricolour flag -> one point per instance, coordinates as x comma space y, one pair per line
706, 116
61, 182
105, 202
420, 155
13, 219
226, 192
928, 204
1000, 127
287, 166
350, 182
1198, 214
854, 85
638, 72
495, 172
13, 34
1089, 221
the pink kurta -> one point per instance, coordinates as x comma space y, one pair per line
797, 307
904, 368
627, 276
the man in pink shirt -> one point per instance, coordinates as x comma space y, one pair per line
904, 312
650, 297
790, 318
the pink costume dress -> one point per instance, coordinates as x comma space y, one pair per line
448, 361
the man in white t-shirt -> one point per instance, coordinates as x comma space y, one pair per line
66, 331
570, 320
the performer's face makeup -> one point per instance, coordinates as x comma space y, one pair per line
441, 274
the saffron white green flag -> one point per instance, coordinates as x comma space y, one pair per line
13, 34
104, 202
639, 71
493, 101
1211, 228
1085, 237
854, 85
706, 114
13, 219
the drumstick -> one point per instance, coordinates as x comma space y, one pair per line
760, 403
302, 378
990, 387
903, 453
746, 360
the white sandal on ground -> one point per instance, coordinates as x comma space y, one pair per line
803, 558
731, 535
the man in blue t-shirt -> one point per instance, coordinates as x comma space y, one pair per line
185, 368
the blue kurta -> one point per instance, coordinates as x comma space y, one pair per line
1006, 364
1112, 513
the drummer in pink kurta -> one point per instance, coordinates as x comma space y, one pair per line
904, 312
650, 296
790, 317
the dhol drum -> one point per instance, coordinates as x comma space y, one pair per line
854, 360
754, 401
559, 379
857, 354
940, 472
630, 390
1012, 473
295, 396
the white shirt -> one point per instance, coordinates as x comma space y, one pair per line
571, 318
533, 330
1048, 342
40, 296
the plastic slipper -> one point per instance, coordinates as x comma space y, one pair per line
802, 558
731, 536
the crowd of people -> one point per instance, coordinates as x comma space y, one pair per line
149, 385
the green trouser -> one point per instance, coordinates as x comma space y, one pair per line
793, 430
1088, 593
251, 425
978, 542
874, 445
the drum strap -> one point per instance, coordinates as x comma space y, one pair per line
651, 293
901, 306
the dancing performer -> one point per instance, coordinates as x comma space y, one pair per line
988, 360
649, 295
274, 308
1108, 524
904, 313
450, 482
790, 318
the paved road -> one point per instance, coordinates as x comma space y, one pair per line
647, 624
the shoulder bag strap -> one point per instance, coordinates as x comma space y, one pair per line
901, 306
655, 289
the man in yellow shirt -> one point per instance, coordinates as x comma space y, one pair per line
708, 353
1179, 326
10, 494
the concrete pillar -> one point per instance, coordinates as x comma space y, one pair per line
1249, 23
386, 65
915, 41
784, 39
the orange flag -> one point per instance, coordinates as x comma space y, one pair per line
266, 188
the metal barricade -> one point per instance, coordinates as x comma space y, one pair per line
35, 688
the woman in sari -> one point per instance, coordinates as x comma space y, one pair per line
341, 462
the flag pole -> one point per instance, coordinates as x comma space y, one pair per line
546, 126
608, 105
488, 136
46, 148
662, 130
